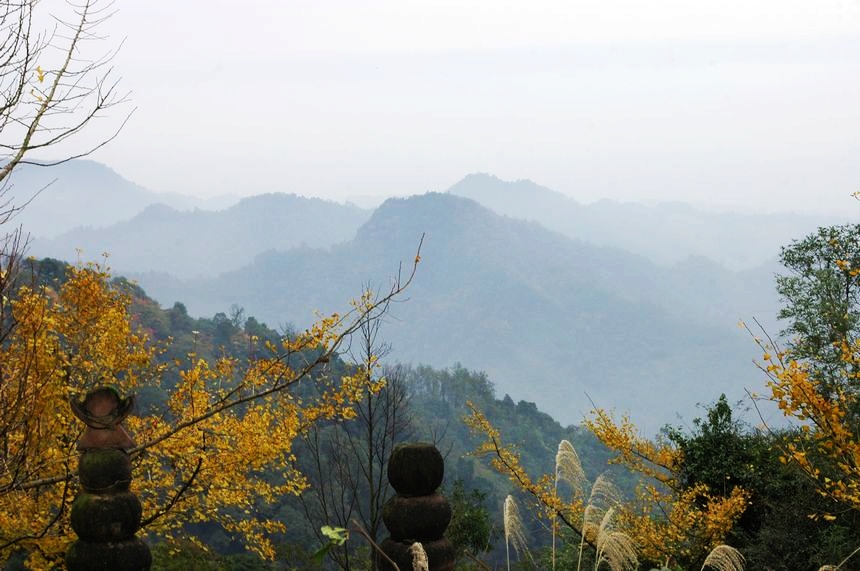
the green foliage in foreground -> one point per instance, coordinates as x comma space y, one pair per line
821, 293
782, 528
186, 556
470, 530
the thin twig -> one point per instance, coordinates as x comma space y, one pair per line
176, 496
360, 530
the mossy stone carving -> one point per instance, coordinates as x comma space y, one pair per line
106, 517
130, 555
426, 517
417, 514
416, 469
105, 470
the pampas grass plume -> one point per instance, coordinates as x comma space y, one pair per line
568, 468
515, 533
603, 497
614, 548
724, 558
419, 557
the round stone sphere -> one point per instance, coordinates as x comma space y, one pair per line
416, 469
105, 470
106, 517
440, 554
130, 555
418, 518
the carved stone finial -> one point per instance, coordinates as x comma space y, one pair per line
106, 515
103, 411
417, 513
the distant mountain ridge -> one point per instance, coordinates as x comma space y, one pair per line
666, 233
85, 193
203, 243
550, 319
88, 198
550, 314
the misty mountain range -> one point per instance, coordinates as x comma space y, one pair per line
83, 193
550, 319
86, 205
666, 233
190, 243
559, 302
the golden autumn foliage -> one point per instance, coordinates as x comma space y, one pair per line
666, 522
505, 460
828, 416
219, 449
816, 380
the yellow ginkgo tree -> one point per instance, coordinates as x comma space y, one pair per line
667, 521
827, 446
219, 448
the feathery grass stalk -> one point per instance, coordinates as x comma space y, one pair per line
604, 495
515, 533
419, 557
568, 469
724, 558
615, 548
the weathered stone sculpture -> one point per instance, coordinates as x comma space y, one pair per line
105, 514
417, 513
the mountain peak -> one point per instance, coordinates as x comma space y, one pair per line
156, 211
479, 184
434, 212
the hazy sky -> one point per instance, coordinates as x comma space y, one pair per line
747, 102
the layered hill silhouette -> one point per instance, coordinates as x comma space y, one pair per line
542, 294
147, 231
665, 233
84, 193
199, 243
552, 320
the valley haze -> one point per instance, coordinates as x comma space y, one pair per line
632, 306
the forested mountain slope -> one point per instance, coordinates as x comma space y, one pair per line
552, 320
